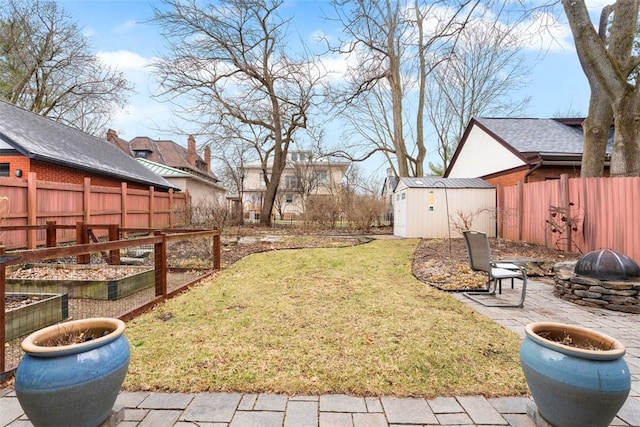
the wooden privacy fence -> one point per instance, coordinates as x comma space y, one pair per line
573, 214
32, 202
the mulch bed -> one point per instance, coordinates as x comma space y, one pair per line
444, 264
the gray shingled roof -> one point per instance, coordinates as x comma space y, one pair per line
45, 140
439, 182
536, 135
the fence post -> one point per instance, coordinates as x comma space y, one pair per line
520, 209
114, 234
124, 205
32, 208
82, 238
564, 200
3, 315
171, 208
52, 240
499, 206
160, 258
87, 200
152, 196
216, 250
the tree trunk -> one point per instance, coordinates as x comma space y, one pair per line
279, 162
625, 158
422, 72
394, 78
607, 70
596, 135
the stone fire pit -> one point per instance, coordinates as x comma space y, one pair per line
597, 287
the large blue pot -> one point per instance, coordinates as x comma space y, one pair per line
72, 385
574, 386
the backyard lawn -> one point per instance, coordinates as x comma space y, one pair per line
323, 320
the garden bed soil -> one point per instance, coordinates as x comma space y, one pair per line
444, 264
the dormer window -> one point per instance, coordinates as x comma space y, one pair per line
142, 154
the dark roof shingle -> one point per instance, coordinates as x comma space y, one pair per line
43, 139
528, 135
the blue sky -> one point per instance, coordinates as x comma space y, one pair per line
122, 38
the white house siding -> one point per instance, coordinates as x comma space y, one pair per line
254, 186
431, 212
482, 155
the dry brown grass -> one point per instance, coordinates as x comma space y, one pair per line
323, 320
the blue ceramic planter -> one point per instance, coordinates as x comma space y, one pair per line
72, 385
573, 386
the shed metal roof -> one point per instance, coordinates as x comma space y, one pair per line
440, 182
46, 140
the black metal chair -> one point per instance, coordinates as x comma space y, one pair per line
480, 260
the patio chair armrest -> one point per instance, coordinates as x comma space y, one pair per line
506, 265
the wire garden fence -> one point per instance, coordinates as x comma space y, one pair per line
109, 272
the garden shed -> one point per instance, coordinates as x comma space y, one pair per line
430, 207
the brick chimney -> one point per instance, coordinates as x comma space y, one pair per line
191, 151
207, 158
111, 134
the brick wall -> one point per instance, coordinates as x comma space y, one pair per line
541, 174
545, 173
17, 162
55, 173
508, 179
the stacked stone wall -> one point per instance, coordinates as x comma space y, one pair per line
621, 295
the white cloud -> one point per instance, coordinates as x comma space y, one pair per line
544, 32
126, 27
124, 60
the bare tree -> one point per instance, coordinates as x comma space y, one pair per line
230, 64
393, 54
478, 78
46, 67
607, 63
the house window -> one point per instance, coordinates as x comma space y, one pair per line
290, 181
321, 176
4, 169
403, 196
289, 198
143, 154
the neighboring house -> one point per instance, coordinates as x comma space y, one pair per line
180, 166
303, 176
434, 207
504, 151
388, 186
59, 153
199, 187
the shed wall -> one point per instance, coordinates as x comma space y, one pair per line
433, 212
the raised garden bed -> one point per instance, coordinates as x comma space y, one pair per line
81, 281
28, 312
